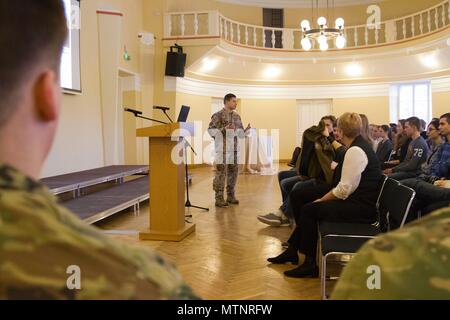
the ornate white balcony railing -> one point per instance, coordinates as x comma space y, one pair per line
212, 24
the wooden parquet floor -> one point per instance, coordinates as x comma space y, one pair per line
226, 257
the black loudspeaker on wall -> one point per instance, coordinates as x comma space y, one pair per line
176, 62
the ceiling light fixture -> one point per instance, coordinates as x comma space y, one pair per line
429, 60
209, 64
354, 70
272, 72
322, 34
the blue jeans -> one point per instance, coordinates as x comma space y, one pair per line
285, 186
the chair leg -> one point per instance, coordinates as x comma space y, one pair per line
324, 278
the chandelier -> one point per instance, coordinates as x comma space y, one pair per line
321, 33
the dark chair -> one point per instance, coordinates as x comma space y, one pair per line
295, 156
345, 239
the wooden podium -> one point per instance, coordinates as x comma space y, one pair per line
167, 182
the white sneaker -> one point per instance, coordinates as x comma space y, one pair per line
271, 219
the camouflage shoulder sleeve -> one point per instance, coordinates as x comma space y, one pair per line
412, 263
215, 125
239, 124
48, 253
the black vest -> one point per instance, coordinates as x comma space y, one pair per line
371, 178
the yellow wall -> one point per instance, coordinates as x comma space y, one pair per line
375, 108
261, 114
130, 98
153, 12
441, 103
280, 115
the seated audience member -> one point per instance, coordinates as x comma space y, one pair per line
366, 131
394, 132
417, 153
352, 200
430, 141
301, 196
375, 133
384, 149
435, 141
423, 128
432, 188
401, 144
413, 263
291, 178
40, 240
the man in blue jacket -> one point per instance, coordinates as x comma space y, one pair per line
431, 190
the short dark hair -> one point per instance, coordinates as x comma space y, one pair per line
447, 116
423, 125
31, 32
331, 118
228, 97
386, 128
415, 122
393, 128
434, 123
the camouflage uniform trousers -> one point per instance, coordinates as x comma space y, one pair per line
228, 172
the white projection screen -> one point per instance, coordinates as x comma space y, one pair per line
70, 60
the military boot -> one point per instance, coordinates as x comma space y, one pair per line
231, 199
220, 201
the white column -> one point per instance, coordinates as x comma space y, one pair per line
195, 24
109, 52
167, 25
183, 25
214, 28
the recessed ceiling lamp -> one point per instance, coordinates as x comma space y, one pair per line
429, 60
354, 70
209, 64
272, 72
321, 34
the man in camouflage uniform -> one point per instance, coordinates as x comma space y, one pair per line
413, 262
45, 251
226, 128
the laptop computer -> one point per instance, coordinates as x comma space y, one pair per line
184, 113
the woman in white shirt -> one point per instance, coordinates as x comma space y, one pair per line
351, 201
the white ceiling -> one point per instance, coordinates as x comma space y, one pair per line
298, 3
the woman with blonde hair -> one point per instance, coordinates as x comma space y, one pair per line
352, 200
365, 130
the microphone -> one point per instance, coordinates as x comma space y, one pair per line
161, 108
136, 112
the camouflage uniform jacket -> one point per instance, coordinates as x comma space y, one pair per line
219, 122
414, 263
40, 241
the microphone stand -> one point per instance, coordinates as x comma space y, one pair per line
137, 115
186, 143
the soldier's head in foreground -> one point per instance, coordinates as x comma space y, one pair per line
32, 36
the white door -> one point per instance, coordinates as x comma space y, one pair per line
309, 113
